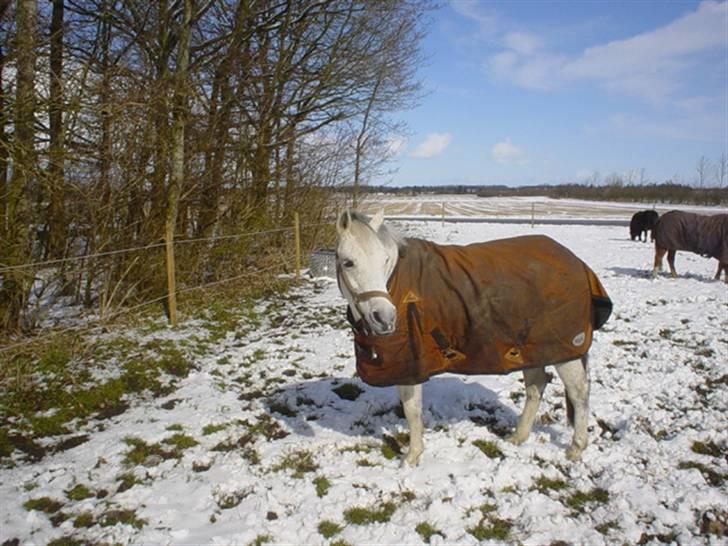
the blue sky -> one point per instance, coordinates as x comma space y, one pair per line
525, 92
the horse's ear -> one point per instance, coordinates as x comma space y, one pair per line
344, 222
377, 221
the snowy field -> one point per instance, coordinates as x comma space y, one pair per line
468, 206
287, 447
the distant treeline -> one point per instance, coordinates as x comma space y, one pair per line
667, 192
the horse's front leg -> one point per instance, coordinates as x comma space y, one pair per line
535, 380
411, 396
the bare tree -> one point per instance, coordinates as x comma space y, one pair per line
703, 170
721, 170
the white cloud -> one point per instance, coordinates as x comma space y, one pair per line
507, 152
475, 11
433, 145
651, 65
525, 43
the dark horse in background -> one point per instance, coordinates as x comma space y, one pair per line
642, 222
704, 235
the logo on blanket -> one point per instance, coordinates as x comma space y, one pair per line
579, 339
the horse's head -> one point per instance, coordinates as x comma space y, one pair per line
366, 254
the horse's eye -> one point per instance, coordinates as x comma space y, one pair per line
348, 264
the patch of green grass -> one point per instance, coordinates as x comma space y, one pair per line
322, 485
175, 363
360, 447
176, 427
180, 441
142, 452
365, 463
83, 520
607, 526
707, 448
579, 499
490, 449
261, 539
327, 528
125, 517
79, 492
348, 391
58, 518
229, 500
491, 529
268, 427
43, 504
391, 448
300, 462
128, 480
407, 495
711, 476
341, 541
544, 484
427, 531
212, 429
361, 515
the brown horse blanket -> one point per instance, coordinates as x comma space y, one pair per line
705, 235
485, 308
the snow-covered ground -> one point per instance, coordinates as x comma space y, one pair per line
521, 207
285, 455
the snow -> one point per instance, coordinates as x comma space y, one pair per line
658, 370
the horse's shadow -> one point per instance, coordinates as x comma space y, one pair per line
647, 274
631, 272
351, 408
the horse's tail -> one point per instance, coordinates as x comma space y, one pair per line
569, 405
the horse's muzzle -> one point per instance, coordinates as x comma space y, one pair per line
382, 320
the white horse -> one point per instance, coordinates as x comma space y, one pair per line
367, 253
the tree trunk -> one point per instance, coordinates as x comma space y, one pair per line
179, 118
17, 213
56, 182
4, 145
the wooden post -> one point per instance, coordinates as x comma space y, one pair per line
171, 280
297, 240
443, 214
533, 213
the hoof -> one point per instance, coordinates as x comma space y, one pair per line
573, 453
515, 439
411, 460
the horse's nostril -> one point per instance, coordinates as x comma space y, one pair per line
377, 317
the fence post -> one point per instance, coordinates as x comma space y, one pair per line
171, 280
533, 213
297, 239
443, 214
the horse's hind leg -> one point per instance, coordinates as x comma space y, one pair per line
671, 262
411, 396
576, 383
657, 265
535, 380
722, 267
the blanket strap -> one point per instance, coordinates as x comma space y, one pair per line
446, 349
